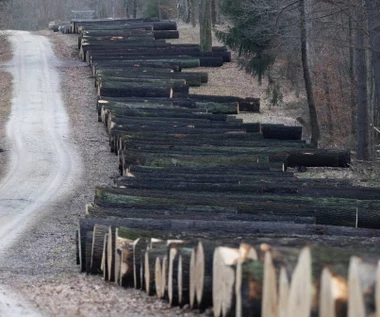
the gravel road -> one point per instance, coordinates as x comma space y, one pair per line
43, 162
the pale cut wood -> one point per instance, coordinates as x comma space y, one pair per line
103, 265
361, 285
110, 255
184, 274
377, 290
356, 306
138, 245
158, 277
126, 266
97, 248
120, 243
199, 272
192, 296
172, 273
270, 300
164, 278
283, 292
300, 293
223, 279
333, 295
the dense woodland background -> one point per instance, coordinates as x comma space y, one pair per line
326, 51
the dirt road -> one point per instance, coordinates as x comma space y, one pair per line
43, 163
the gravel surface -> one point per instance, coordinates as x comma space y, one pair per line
5, 102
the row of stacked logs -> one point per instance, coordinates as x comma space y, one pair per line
204, 212
245, 275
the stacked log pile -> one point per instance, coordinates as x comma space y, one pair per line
205, 211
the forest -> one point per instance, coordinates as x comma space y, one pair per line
326, 52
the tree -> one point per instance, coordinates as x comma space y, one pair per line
205, 25
315, 134
363, 121
261, 25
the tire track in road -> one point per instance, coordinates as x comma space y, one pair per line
43, 163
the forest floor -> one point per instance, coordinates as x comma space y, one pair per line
41, 266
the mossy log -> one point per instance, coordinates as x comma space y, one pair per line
282, 132
135, 90
184, 62
99, 212
185, 159
329, 158
192, 79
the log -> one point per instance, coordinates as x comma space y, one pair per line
225, 140
192, 80
126, 265
139, 246
111, 246
248, 288
120, 244
184, 62
99, 232
173, 276
239, 201
184, 275
150, 267
104, 266
166, 34
282, 132
177, 83
361, 286
118, 69
209, 107
159, 159
245, 104
89, 236
225, 261
163, 113
333, 295
136, 90
319, 158
196, 214
170, 52
283, 292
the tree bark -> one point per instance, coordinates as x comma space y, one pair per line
374, 41
363, 122
205, 25
193, 17
315, 134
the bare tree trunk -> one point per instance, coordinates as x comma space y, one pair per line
315, 134
373, 17
213, 12
134, 9
330, 126
159, 9
205, 26
193, 17
188, 11
352, 76
362, 100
